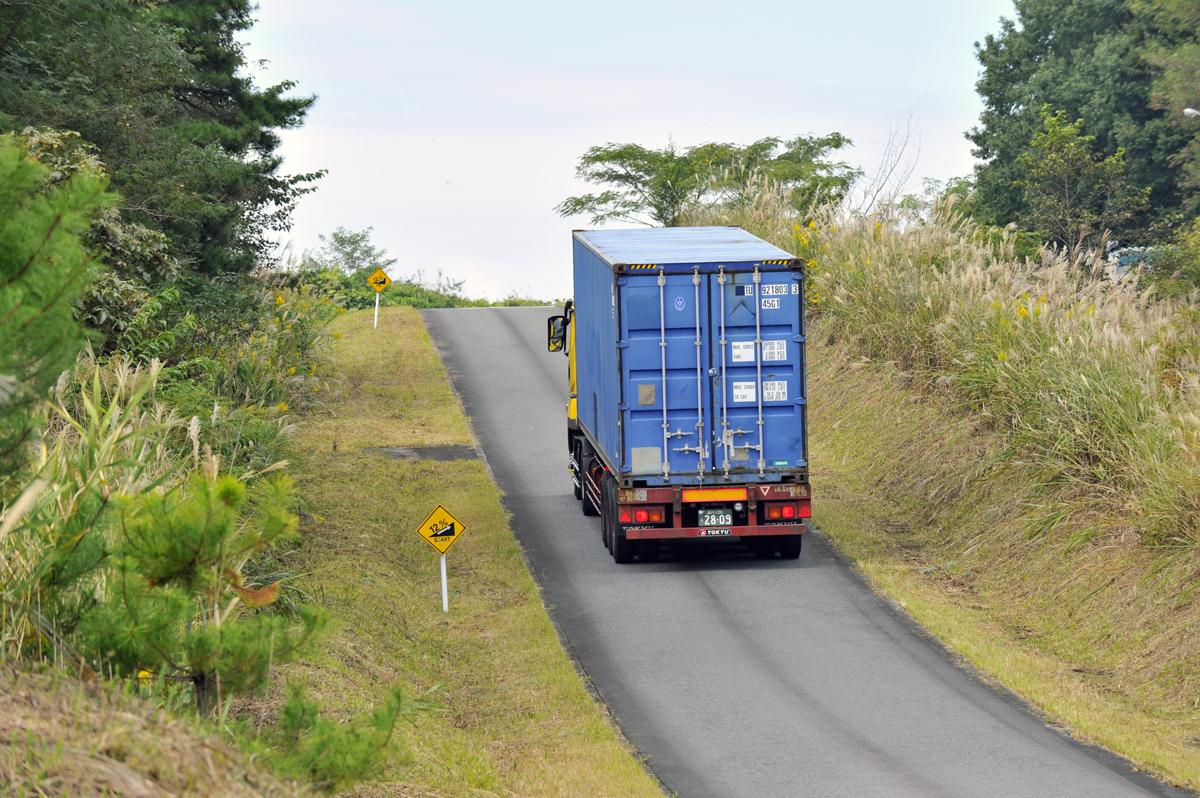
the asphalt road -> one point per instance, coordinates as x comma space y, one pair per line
740, 677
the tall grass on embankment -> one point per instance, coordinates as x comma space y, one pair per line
1011, 449
1095, 383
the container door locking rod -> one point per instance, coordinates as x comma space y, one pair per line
662, 347
726, 438
701, 454
762, 463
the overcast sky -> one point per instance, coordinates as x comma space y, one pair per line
453, 128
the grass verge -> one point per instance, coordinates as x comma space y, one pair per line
517, 717
1094, 632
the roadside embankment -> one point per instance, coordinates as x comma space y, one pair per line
515, 716
1098, 632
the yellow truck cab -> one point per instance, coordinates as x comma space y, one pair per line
560, 334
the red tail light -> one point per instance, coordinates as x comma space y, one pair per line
642, 515
786, 511
805, 510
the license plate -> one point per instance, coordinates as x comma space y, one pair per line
715, 517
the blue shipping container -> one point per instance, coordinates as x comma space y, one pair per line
689, 347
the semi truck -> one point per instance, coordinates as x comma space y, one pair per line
686, 416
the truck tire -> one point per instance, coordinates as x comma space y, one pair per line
606, 523
589, 470
789, 546
623, 549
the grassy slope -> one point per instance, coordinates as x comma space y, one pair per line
62, 736
518, 718
1072, 618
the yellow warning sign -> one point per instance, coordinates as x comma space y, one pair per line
441, 530
379, 280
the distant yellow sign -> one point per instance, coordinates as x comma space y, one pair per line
441, 530
379, 280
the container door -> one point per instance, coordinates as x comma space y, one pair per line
758, 363
666, 410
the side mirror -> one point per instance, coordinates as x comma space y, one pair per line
556, 333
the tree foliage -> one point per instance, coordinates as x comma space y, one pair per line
644, 185
641, 183
1070, 191
1089, 59
348, 251
1176, 59
160, 91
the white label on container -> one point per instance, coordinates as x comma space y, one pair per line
744, 392
770, 303
795, 288
775, 391
775, 290
774, 350
743, 352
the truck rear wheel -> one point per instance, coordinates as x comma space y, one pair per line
606, 520
623, 549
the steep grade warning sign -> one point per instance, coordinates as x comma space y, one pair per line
441, 530
379, 280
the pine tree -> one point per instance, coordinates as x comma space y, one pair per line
44, 268
177, 606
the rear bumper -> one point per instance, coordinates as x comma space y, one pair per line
706, 533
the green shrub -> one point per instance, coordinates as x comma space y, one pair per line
349, 290
331, 754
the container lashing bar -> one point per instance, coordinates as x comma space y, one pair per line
726, 436
662, 346
758, 354
701, 455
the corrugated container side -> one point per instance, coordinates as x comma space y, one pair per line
597, 370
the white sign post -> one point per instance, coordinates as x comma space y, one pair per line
441, 530
379, 281
445, 591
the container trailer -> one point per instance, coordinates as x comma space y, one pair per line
686, 415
